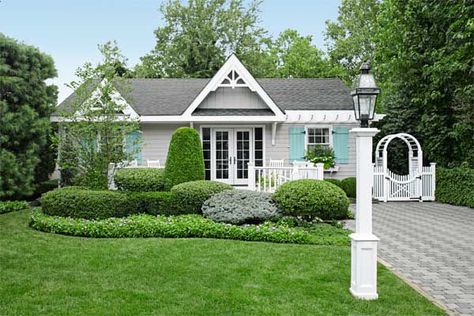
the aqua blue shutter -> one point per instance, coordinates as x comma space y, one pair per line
340, 144
133, 145
296, 139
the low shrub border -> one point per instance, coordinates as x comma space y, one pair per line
188, 197
455, 186
91, 204
13, 206
349, 186
184, 226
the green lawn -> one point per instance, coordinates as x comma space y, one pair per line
46, 274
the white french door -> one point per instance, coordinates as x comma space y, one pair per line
232, 150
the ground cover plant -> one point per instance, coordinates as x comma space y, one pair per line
13, 206
49, 274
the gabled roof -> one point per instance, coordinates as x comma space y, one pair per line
173, 96
182, 97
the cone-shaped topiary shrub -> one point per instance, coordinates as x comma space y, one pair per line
185, 161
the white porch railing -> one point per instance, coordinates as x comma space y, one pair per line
268, 179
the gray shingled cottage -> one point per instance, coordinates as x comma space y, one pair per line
242, 119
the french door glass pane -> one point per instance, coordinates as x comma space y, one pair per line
206, 150
222, 155
243, 153
258, 145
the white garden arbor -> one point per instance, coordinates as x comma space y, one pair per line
418, 184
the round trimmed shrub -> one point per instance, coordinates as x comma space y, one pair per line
335, 182
188, 197
89, 204
349, 186
313, 198
185, 160
240, 206
140, 179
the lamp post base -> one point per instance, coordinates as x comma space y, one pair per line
364, 266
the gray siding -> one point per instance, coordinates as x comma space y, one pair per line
237, 98
281, 148
156, 139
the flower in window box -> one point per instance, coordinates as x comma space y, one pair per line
321, 154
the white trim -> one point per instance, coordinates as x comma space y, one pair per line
233, 63
210, 119
306, 134
324, 116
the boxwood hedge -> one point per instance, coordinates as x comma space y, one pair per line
140, 179
349, 186
90, 204
312, 198
188, 197
455, 186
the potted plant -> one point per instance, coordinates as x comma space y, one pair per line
321, 154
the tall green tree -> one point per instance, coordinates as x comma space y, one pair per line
425, 58
295, 56
97, 130
349, 40
26, 102
198, 35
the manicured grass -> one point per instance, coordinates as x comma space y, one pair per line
47, 274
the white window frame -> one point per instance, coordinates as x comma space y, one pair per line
306, 134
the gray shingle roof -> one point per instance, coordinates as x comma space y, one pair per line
173, 96
233, 112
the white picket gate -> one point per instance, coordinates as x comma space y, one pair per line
268, 179
419, 184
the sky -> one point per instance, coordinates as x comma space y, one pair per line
69, 30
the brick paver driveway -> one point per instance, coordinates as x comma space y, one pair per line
432, 245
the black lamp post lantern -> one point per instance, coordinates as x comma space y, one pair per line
364, 96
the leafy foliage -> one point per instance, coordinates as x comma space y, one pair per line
26, 102
188, 197
335, 182
240, 206
198, 35
91, 204
13, 206
140, 179
321, 154
183, 226
350, 40
185, 161
154, 203
455, 186
94, 137
349, 186
425, 63
312, 198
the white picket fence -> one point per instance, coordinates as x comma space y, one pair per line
389, 186
268, 179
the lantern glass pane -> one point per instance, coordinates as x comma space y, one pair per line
364, 102
356, 106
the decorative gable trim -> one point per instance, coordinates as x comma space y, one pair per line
233, 74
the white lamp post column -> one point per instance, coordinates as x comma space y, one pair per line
363, 242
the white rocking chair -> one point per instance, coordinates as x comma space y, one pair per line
153, 163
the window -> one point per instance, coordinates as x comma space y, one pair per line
206, 150
258, 145
318, 136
